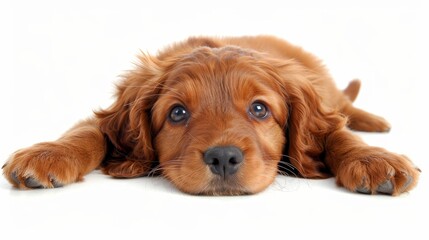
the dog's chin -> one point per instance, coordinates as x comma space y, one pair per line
224, 191
231, 186
220, 187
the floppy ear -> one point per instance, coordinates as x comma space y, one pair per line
309, 122
126, 123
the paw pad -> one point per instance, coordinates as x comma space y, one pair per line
386, 187
31, 182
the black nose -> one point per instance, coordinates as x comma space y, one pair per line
223, 161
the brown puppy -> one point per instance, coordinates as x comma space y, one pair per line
222, 116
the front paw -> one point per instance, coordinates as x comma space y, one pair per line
378, 171
44, 165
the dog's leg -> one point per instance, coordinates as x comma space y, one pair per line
362, 168
127, 168
359, 119
54, 164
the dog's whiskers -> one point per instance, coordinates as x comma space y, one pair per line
281, 183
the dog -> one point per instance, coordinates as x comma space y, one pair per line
223, 116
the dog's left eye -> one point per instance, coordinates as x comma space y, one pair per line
258, 110
178, 114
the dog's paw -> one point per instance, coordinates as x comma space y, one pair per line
378, 171
44, 165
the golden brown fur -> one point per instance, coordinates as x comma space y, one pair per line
216, 82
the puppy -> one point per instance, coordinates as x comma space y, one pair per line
223, 116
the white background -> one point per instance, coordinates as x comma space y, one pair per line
59, 61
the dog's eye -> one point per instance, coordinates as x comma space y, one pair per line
178, 114
258, 110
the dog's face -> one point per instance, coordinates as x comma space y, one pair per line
219, 123
218, 120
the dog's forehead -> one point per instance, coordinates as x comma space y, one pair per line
211, 74
215, 61
219, 67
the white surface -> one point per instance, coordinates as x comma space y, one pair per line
59, 61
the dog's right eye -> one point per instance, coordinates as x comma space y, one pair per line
259, 110
178, 114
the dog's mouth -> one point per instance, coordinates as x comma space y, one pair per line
224, 187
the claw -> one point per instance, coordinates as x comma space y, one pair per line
407, 183
386, 187
363, 190
55, 183
32, 183
15, 178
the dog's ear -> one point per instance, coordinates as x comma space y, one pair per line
126, 123
309, 122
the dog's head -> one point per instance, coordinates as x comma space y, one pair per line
219, 120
